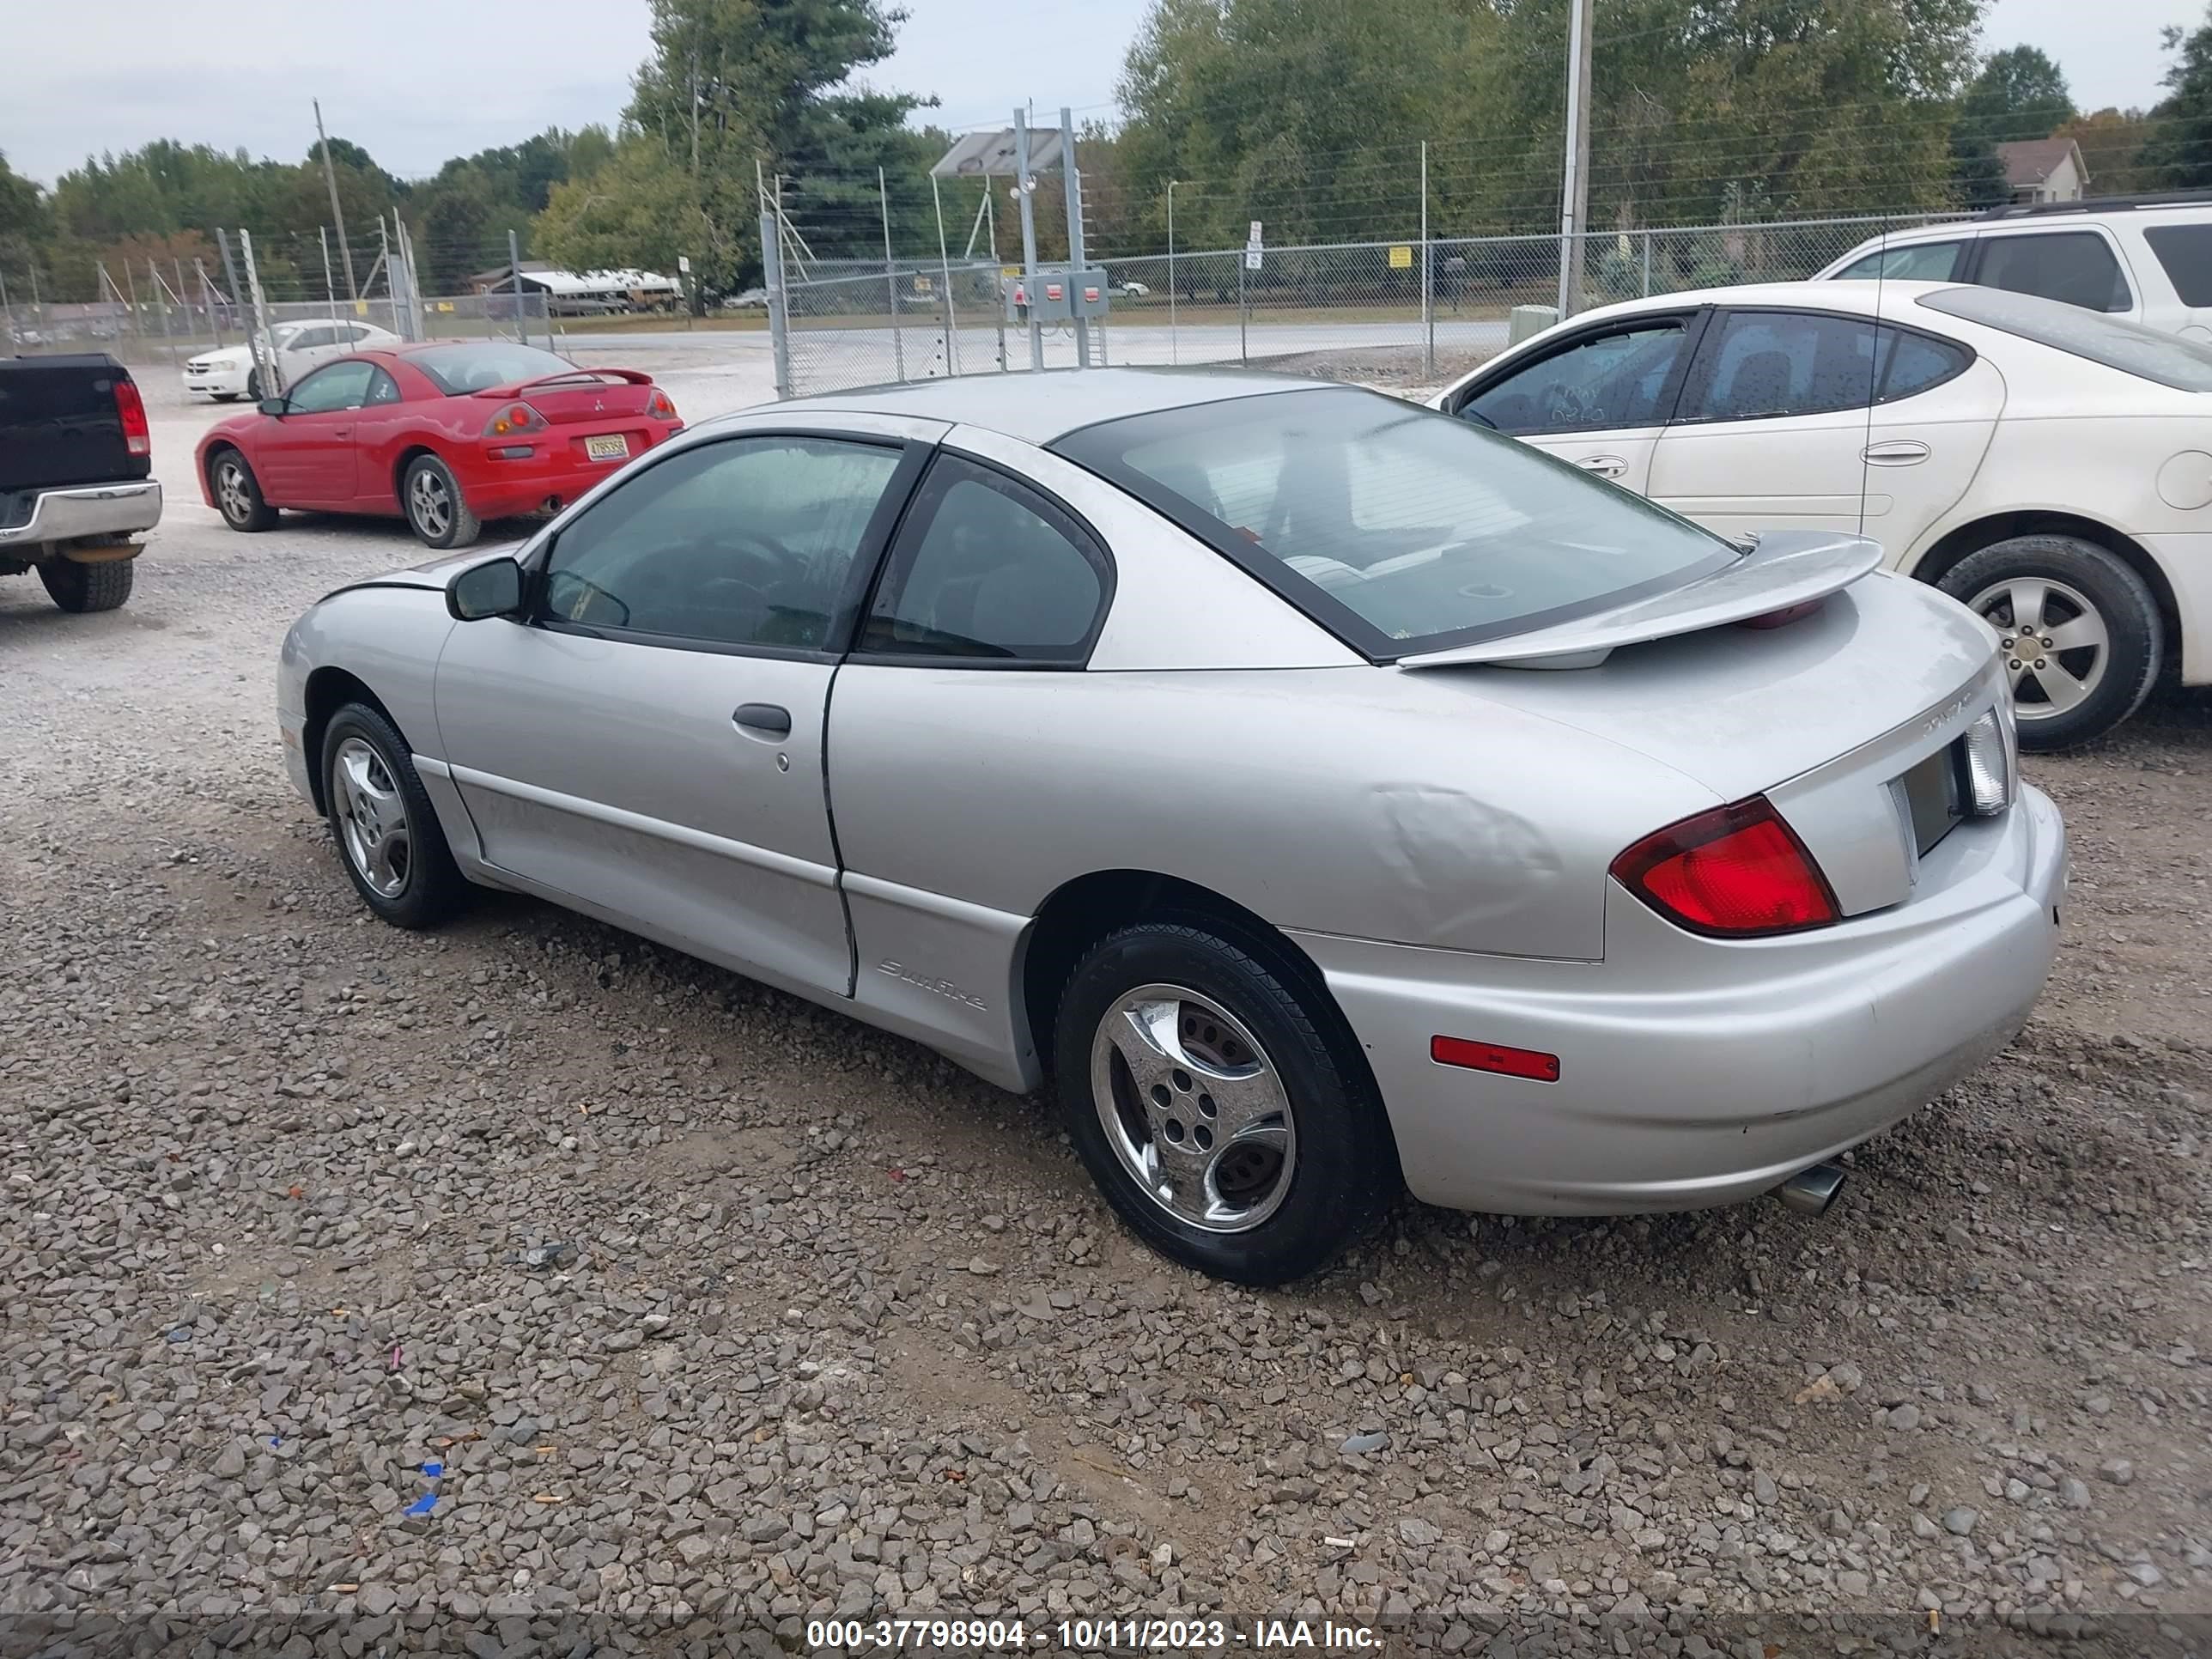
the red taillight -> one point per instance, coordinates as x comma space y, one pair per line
130, 409
1736, 873
660, 406
1530, 1063
512, 420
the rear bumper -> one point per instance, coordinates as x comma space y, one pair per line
109, 509
1694, 1072
502, 489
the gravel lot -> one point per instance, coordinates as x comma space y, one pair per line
720, 1312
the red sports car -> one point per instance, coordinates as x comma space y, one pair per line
444, 435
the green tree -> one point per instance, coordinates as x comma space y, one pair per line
2177, 154
639, 210
2020, 93
24, 225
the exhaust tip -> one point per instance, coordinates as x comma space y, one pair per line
1809, 1192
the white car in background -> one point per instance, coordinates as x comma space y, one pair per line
2147, 260
2048, 467
228, 372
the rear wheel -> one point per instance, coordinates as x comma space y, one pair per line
81, 587
435, 510
237, 493
1207, 1091
387, 830
2079, 627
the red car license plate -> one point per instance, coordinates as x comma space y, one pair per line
615, 447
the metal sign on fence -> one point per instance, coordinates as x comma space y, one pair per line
1253, 250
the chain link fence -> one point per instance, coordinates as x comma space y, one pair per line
1405, 311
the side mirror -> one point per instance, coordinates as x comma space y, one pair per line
492, 589
272, 406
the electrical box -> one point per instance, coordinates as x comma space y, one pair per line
1056, 295
1525, 320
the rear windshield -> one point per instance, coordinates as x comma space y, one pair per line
2166, 358
482, 365
1399, 529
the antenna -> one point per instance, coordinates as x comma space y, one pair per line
1874, 380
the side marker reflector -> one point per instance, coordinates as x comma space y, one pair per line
1494, 1057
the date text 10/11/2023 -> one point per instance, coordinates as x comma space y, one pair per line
1088, 1635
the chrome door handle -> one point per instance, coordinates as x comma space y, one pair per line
1605, 466
764, 719
1896, 452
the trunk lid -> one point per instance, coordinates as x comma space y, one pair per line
59, 424
1826, 715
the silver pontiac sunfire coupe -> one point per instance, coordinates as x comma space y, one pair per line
1322, 793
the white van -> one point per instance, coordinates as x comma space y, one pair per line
2145, 258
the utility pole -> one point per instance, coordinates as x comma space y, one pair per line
1024, 186
1574, 195
1072, 188
337, 213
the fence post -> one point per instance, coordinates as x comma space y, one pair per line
1647, 262
945, 269
7, 314
514, 262
779, 319
1175, 354
131, 286
891, 277
1428, 283
1243, 354
162, 299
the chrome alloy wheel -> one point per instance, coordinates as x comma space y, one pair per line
2055, 644
232, 494
1193, 1109
371, 818
429, 503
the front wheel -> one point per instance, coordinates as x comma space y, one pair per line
237, 493
2079, 628
78, 587
1210, 1091
387, 830
253, 385
435, 510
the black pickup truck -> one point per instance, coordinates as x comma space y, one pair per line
76, 490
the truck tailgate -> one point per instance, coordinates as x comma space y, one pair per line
59, 424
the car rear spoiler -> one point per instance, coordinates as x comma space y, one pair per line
516, 388
1782, 571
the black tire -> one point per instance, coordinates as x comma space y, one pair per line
431, 888
2084, 578
253, 386
81, 587
237, 493
458, 527
1345, 1168
224, 397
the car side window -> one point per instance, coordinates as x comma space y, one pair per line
1762, 364
2076, 267
1920, 262
342, 386
382, 389
1917, 363
308, 338
352, 334
1610, 380
987, 569
2184, 252
747, 541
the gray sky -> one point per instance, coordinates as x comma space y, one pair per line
113, 74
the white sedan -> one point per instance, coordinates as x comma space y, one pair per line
2049, 467
228, 372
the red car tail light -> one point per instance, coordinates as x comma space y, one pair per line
660, 406
1738, 871
514, 420
130, 409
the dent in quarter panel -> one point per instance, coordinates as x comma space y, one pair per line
1360, 801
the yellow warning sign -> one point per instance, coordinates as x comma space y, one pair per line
1402, 258
1010, 270
361, 307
